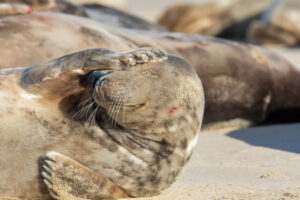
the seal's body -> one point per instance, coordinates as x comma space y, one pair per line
101, 13
240, 81
131, 119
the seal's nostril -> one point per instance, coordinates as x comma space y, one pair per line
94, 77
102, 81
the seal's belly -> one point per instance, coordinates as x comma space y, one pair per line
22, 147
26, 134
22, 143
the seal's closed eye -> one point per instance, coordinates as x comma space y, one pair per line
95, 76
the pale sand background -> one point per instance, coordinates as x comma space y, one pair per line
258, 163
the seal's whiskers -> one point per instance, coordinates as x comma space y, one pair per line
113, 116
110, 113
123, 107
84, 102
92, 118
119, 104
84, 109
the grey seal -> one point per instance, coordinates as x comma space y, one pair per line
110, 124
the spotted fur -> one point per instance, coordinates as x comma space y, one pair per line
134, 131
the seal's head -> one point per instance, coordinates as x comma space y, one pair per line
153, 99
147, 92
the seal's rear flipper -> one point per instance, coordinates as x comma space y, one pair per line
68, 179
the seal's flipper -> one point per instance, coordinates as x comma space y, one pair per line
64, 76
68, 179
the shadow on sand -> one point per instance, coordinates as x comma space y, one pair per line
281, 137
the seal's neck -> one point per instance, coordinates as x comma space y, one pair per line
149, 150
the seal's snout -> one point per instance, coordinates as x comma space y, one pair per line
102, 81
95, 76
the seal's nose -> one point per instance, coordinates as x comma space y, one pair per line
95, 76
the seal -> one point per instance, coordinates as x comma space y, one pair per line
228, 19
279, 25
243, 84
101, 13
198, 18
114, 124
